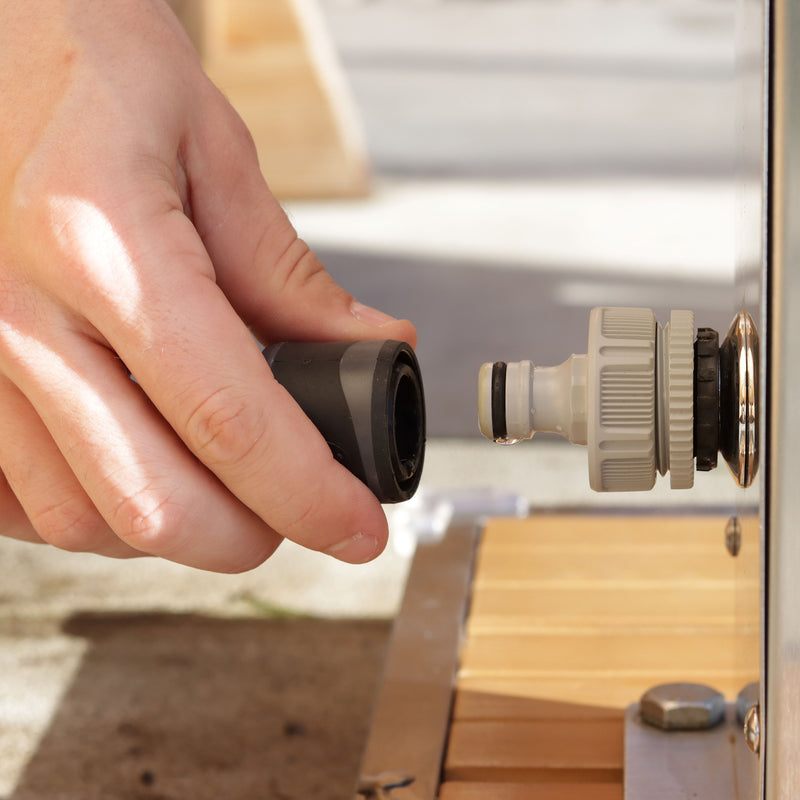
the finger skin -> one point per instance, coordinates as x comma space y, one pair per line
15, 523
135, 472
50, 496
271, 276
135, 226
226, 406
220, 397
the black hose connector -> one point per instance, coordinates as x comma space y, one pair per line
706, 399
366, 399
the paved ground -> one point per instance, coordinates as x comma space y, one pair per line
190, 707
532, 159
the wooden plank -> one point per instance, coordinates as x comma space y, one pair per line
275, 63
250, 23
585, 626
613, 530
412, 715
497, 605
684, 654
530, 567
518, 701
572, 619
457, 790
552, 697
549, 750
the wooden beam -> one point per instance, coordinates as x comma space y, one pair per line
275, 62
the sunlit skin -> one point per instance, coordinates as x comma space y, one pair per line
138, 236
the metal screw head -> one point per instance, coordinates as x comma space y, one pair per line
752, 729
733, 536
682, 707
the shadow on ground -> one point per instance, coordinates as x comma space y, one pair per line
169, 707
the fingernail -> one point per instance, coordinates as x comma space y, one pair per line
369, 315
355, 550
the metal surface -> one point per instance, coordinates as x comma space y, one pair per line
682, 707
752, 729
412, 713
713, 764
780, 717
739, 406
751, 75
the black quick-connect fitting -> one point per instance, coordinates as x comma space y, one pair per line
718, 404
366, 399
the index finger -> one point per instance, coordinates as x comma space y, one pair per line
204, 372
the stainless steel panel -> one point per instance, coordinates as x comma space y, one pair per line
671, 765
781, 717
751, 71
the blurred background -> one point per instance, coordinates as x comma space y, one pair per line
531, 160
517, 162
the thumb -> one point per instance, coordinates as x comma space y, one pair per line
271, 277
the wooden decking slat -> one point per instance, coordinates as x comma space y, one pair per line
680, 653
609, 604
610, 531
531, 566
555, 750
458, 790
593, 697
572, 618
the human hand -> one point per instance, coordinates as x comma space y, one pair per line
137, 234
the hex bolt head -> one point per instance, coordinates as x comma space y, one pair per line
682, 707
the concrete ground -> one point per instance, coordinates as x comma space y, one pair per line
532, 160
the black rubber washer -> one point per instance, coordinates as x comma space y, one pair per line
499, 400
706, 399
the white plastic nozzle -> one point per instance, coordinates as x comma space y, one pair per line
551, 399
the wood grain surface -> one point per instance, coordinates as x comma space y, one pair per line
572, 618
275, 63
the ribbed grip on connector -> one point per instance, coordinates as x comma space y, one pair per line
621, 435
680, 397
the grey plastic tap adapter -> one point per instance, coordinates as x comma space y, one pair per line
629, 399
643, 399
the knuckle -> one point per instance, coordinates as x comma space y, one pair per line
298, 266
72, 525
243, 140
238, 136
17, 308
42, 216
224, 428
150, 522
239, 149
